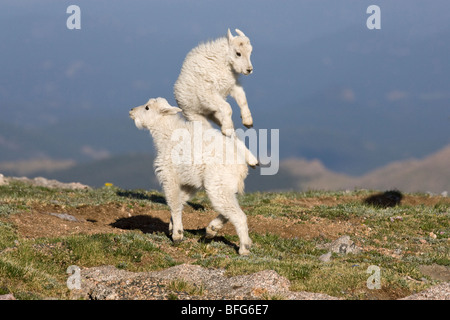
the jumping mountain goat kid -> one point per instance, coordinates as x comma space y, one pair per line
196, 162
209, 74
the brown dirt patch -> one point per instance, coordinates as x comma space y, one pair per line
117, 218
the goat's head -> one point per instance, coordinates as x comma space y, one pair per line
149, 115
240, 50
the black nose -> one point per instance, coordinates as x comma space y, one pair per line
249, 70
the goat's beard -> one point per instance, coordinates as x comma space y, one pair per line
138, 123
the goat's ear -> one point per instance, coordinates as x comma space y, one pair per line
229, 36
239, 32
170, 110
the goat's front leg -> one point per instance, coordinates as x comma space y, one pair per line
238, 94
176, 208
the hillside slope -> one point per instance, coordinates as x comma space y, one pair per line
428, 174
431, 173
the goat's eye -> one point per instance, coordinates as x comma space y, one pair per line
238, 54
146, 107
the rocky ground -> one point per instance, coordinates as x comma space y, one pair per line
192, 282
187, 281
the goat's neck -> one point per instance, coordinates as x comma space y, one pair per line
221, 50
162, 134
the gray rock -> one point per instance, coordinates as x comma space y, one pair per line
342, 245
64, 216
437, 292
43, 182
49, 183
7, 297
325, 257
103, 292
110, 283
436, 272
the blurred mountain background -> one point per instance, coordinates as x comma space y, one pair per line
356, 108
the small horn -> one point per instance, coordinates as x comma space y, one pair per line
229, 35
239, 32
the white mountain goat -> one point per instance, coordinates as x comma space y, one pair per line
209, 74
196, 162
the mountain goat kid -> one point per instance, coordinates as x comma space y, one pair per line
185, 167
209, 74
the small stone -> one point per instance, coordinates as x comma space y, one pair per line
325, 257
8, 296
64, 216
344, 245
399, 218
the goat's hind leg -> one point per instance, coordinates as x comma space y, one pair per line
215, 225
227, 205
221, 111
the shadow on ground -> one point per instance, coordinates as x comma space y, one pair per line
386, 199
154, 198
149, 224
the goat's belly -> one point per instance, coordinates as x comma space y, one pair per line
190, 176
